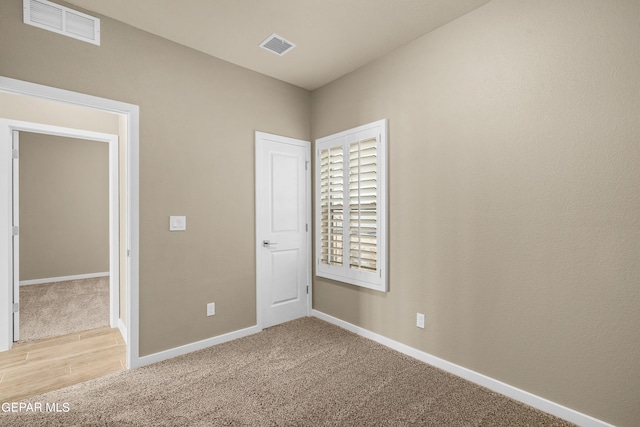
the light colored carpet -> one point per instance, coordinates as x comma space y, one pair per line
302, 373
61, 308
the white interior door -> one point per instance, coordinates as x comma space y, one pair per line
16, 238
283, 207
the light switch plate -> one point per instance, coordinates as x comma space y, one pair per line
420, 320
177, 223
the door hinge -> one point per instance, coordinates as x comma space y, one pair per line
128, 252
16, 307
15, 230
306, 227
306, 165
14, 153
307, 290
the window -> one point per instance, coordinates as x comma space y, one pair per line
351, 206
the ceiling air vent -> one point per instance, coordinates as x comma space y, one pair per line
276, 44
62, 20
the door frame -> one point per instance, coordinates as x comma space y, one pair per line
259, 189
10, 128
131, 113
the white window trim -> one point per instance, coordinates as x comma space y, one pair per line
377, 280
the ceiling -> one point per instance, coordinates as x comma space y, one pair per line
332, 37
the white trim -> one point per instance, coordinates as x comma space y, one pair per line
123, 330
62, 278
475, 377
198, 345
309, 233
132, 114
15, 137
257, 192
114, 232
6, 248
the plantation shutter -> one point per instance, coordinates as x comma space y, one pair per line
363, 217
351, 218
332, 205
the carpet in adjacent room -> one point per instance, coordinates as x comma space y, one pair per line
61, 308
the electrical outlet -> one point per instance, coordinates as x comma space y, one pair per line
420, 320
211, 309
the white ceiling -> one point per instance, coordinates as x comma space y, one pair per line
333, 37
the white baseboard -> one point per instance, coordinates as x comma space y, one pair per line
475, 377
123, 330
199, 345
62, 278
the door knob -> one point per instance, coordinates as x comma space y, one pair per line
268, 244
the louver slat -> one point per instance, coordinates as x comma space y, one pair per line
363, 198
80, 26
332, 205
46, 15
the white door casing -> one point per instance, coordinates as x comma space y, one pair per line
130, 114
283, 222
16, 238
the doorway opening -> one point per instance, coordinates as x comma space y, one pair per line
66, 211
128, 252
65, 341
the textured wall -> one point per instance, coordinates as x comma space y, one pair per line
197, 118
44, 111
514, 197
64, 206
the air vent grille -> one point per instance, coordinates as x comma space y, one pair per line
46, 15
276, 44
62, 20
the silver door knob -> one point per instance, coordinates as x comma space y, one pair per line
268, 244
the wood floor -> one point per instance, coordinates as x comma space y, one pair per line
36, 367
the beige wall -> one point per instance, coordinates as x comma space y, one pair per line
197, 118
514, 197
64, 206
44, 111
